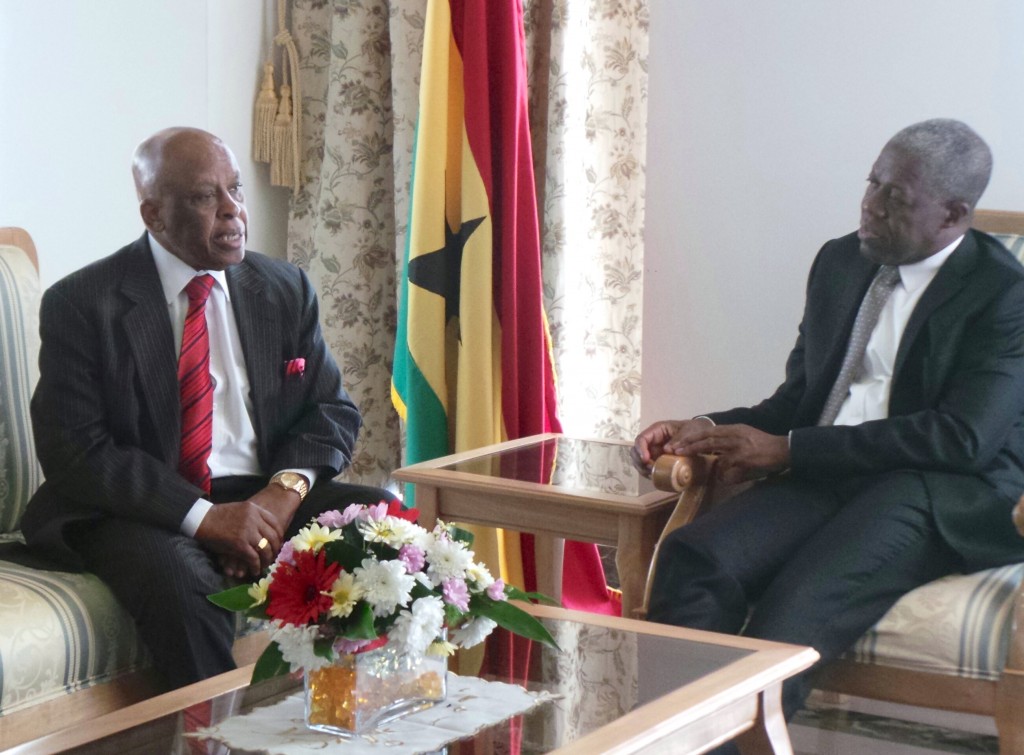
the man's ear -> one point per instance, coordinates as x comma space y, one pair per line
957, 213
150, 211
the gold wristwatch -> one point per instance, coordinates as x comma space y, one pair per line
292, 481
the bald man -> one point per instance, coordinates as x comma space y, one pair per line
160, 518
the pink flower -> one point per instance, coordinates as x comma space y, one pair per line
456, 593
496, 590
287, 554
343, 646
375, 512
412, 557
331, 519
351, 513
295, 367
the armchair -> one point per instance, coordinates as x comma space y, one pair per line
955, 644
68, 650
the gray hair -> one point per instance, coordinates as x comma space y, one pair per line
956, 162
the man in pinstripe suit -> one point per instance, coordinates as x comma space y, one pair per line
108, 421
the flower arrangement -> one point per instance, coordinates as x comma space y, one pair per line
356, 580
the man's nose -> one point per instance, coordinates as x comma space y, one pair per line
228, 205
873, 203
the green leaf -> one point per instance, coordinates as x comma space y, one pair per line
346, 554
514, 593
323, 647
360, 624
270, 664
460, 535
233, 599
512, 618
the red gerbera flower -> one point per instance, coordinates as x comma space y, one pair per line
296, 593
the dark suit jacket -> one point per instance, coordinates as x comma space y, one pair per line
106, 412
956, 408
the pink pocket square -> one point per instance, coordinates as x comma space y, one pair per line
295, 367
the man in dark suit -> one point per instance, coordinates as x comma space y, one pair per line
126, 496
887, 465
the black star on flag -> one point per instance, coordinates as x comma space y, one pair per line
440, 271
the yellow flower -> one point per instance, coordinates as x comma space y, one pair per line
314, 537
441, 647
345, 593
258, 591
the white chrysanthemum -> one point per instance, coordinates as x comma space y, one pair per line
296, 645
345, 593
480, 576
416, 628
473, 632
385, 585
448, 559
314, 537
390, 530
441, 647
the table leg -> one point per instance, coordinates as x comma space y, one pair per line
634, 550
769, 733
547, 551
426, 502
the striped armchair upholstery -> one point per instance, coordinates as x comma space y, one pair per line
59, 632
68, 650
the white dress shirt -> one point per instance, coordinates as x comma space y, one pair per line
869, 393
234, 436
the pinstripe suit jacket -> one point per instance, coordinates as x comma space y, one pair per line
106, 412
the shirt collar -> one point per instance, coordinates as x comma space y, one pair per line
920, 274
175, 274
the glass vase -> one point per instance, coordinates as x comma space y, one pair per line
359, 692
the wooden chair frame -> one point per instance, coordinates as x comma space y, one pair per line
1002, 699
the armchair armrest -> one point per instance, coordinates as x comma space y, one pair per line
693, 477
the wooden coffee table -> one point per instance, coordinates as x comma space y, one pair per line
551, 485
622, 686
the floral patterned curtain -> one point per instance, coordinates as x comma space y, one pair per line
359, 68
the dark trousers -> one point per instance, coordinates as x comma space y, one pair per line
162, 578
804, 562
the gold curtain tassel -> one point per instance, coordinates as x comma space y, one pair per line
281, 162
263, 118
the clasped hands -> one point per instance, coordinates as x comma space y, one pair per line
248, 535
744, 453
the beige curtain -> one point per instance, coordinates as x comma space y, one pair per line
359, 68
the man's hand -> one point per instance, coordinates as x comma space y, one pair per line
1018, 516
664, 437
744, 453
235, 532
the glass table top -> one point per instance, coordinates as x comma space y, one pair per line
564, 462
598, 675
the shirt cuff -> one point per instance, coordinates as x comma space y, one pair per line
194, 517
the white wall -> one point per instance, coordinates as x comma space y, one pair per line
82, 82
765, 118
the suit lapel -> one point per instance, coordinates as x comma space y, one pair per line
255, 314
147, 329
950, 278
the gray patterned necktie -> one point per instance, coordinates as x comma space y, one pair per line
867, 317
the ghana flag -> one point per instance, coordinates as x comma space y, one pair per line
472, 356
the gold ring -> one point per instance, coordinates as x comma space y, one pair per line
263, 543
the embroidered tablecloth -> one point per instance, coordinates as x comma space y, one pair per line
471, 704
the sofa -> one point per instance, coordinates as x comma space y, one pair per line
68, 650
955, 644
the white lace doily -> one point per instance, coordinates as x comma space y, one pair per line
471, 704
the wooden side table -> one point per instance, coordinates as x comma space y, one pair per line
555, 486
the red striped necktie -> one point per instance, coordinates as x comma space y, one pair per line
196, 387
